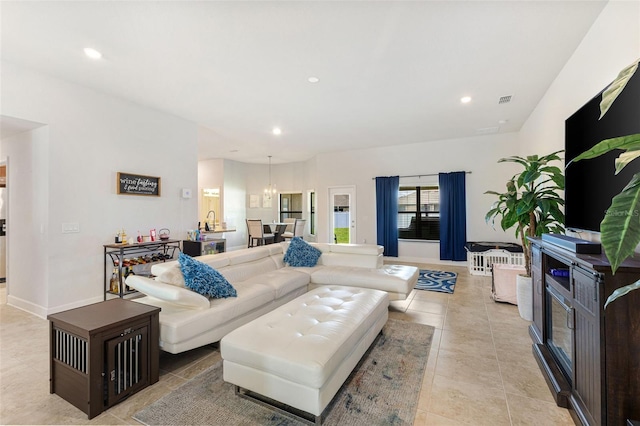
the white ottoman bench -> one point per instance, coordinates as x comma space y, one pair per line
302, 352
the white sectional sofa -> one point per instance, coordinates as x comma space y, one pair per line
263, 282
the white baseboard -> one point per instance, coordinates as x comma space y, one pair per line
41, 311
24, 305
76, 304
424, 260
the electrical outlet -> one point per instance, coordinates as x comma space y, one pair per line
70, 227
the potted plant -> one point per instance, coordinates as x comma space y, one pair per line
531, 203
620, 231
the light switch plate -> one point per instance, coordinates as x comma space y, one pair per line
186, 192
70, 227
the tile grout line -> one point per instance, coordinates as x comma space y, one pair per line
504, 391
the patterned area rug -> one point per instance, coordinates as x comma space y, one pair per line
441, 281
382, 389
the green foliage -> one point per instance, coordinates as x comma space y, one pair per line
627, 143
611, 93
531, 202
620, 228
622, 291
341, 235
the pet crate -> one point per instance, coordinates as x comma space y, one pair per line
103, 353
481, 256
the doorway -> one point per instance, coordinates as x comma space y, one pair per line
3, 221
342, 214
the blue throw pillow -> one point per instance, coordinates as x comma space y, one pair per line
300, 253
203, 279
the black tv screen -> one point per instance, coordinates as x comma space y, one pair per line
591, 184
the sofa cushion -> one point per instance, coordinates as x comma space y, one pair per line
169, 293
300, 253
243, 271
362, 255
351, 259
282, 281
179, 324
203, 279
366, 249
239, 257
391, 278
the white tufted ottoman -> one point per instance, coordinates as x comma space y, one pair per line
301, 353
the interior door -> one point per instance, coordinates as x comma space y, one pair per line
342, 214
3, 222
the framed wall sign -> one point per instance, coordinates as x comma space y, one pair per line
130, 184
254, 201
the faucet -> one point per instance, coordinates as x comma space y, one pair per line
213, 226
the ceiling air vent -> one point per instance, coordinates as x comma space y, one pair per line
504, 99
487, 130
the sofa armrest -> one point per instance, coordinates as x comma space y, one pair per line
167, 292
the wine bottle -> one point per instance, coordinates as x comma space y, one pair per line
113, 284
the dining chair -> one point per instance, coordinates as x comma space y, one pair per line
278, 235
290, 221
298, 229
257, 236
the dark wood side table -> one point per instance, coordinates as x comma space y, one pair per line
103, 353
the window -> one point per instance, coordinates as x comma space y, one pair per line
312, 212
290, 206
419, 213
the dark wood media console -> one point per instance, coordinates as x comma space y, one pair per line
589, 356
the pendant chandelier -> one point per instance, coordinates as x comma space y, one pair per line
269, 191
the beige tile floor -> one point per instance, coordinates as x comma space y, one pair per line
480, 369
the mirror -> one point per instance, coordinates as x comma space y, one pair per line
210, 212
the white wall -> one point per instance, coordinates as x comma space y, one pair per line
28, 201
358, 167
241, 180
478, 155
612, 43
236, 175
91, 137
210, 175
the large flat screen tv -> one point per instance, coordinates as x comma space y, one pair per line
591, 184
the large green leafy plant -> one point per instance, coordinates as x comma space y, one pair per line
531, 202
620, 228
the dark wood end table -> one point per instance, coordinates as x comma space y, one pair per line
102, 353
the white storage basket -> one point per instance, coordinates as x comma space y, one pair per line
480, 262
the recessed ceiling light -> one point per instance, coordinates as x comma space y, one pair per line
505, 121
276, 131
313, 79
92, 53
465, 99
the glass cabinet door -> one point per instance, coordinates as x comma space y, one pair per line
213, 247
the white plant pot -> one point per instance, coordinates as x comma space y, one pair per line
524, 295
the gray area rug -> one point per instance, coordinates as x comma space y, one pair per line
383, 389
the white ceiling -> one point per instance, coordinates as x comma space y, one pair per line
390, 72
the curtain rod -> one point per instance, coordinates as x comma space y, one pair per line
419, 176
